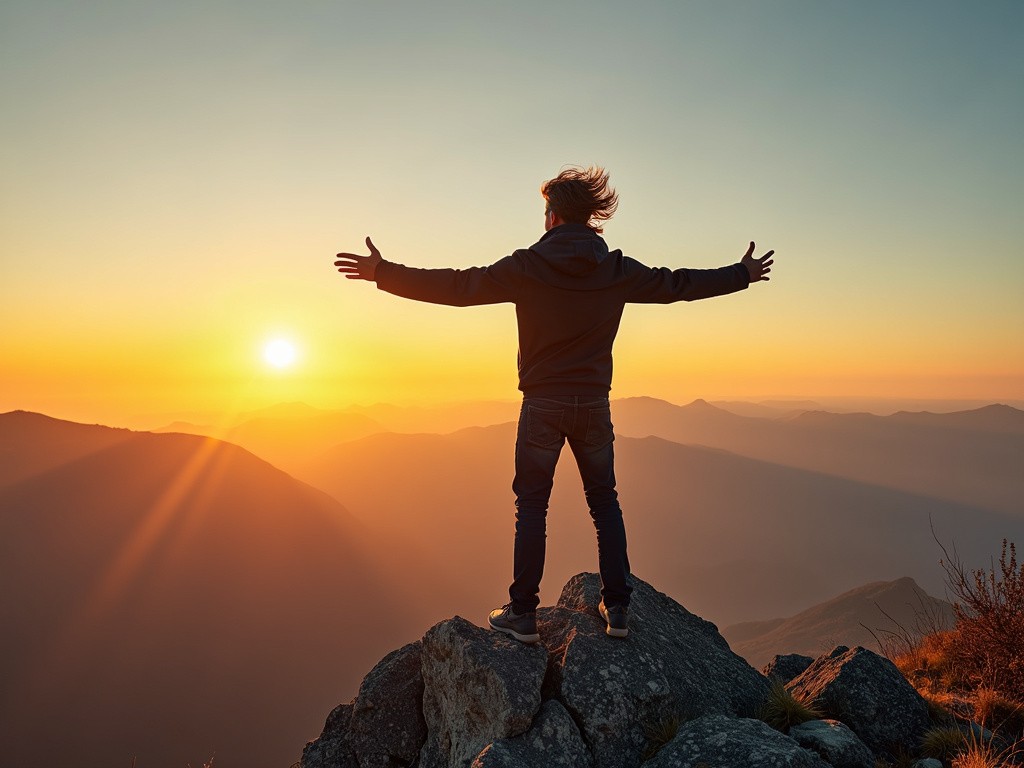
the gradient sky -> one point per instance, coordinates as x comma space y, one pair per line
176, 178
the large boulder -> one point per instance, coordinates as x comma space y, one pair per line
868, 693
785, 667
331, 749
835, 742
387, 727
478, 686
672, 665
727, 742
383, 727
553, 740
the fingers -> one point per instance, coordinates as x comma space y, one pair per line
373, 249
766, 263
750, 250
767, 255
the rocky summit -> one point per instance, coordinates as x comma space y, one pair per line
671, 694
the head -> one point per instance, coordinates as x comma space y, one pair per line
579, 196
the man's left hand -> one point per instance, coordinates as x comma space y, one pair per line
758, 269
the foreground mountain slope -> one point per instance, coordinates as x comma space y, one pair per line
856, 617
169, 596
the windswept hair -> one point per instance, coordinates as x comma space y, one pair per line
581, 196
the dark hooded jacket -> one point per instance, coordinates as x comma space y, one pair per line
569, 291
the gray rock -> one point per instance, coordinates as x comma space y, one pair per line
726, 742
387, 728
331, 749
785, 667
867, 692
928, 762
478, 686
672, 665
975, 732
835, 742
553, 740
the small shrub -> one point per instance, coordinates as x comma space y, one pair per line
988, 640
782, 710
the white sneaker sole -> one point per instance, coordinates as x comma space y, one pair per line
609, 629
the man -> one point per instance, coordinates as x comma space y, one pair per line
569, 291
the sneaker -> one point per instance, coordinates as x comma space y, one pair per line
617, 617
522, 626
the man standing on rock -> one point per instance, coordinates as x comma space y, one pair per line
569, 291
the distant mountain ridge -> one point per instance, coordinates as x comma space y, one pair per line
848, 619
970, 457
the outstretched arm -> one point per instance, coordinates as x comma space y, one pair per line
758, 269
356, 267
454, 287
661, 285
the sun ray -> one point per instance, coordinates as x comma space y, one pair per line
158, 522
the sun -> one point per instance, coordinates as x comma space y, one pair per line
280, 353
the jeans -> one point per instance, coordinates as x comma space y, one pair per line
545, 423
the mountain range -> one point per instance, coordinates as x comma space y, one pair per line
156, 578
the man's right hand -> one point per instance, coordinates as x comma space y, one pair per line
758, 269
356, 267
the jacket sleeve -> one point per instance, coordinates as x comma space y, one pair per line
454, 287
661, 285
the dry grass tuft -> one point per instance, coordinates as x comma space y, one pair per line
782, 710
981, 753
661, 733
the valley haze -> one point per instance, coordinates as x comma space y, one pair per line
208, 576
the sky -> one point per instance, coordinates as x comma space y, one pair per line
176, 178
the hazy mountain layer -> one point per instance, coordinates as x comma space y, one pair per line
732, 538
169, 596
972, 457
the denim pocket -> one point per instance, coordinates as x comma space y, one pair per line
599, 427
544, 427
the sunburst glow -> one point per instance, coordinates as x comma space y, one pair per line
280, 353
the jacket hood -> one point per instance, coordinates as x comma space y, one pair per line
571, 249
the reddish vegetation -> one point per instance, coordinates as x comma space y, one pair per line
976, 669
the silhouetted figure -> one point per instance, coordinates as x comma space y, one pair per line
569, 291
